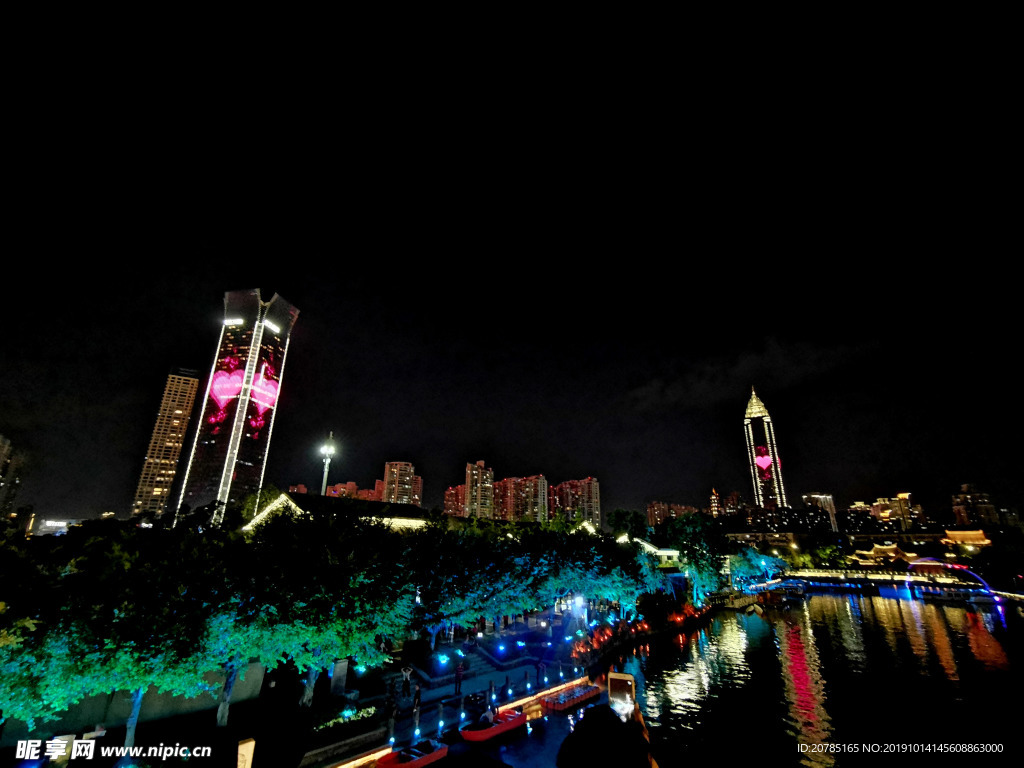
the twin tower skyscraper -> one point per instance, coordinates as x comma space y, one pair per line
229, 453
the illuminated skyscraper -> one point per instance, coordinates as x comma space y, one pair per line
763, 455
230, 449
161, 463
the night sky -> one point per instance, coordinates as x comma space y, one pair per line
619, 343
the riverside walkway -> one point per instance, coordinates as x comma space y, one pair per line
442, 711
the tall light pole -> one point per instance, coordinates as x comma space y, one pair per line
327, 449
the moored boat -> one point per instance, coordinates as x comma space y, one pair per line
423, 753
503, 723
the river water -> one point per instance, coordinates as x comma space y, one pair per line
836, 680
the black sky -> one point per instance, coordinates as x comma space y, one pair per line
615, 337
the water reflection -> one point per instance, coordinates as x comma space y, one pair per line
804, 688
836, 669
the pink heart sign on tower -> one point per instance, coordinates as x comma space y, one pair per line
226, 386
763, 462
264, 391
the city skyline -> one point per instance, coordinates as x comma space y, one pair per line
641, 388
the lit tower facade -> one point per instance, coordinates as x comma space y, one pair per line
577, 496
763, 455
230, 449
479, 490
165, 445
401, 483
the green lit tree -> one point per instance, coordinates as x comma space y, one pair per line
449, 569
750, 565
701, 546
131, 617
331, 585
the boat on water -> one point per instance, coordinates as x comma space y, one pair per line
503, 723
423, 753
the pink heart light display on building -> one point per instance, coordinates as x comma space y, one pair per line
763, 462
264, 391
226, 386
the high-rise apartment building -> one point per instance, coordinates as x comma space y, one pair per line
10, 476
401, 484
230, 449
660, 511
161, 463
521, 498
823, 501
577, 499
715, 503
973, 507
455, 501
479, 490
763, 455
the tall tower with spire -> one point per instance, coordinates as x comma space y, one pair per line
763, 455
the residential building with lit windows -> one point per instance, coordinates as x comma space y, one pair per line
763, 455
660, 511
401, 483
11, 463
715, 503
229, 454
455, 501
521, 498
479, 490
972, 507
576, 499
825, 502
161, 463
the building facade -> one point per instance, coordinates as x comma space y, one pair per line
577, 499
229, 454
660, 511
521, 498
825, 502
455, 501
160, 466
401, 484
10, 477
763, 455
479, 490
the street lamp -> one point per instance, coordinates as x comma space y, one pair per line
327, 449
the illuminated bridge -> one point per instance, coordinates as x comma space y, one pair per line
926, 578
